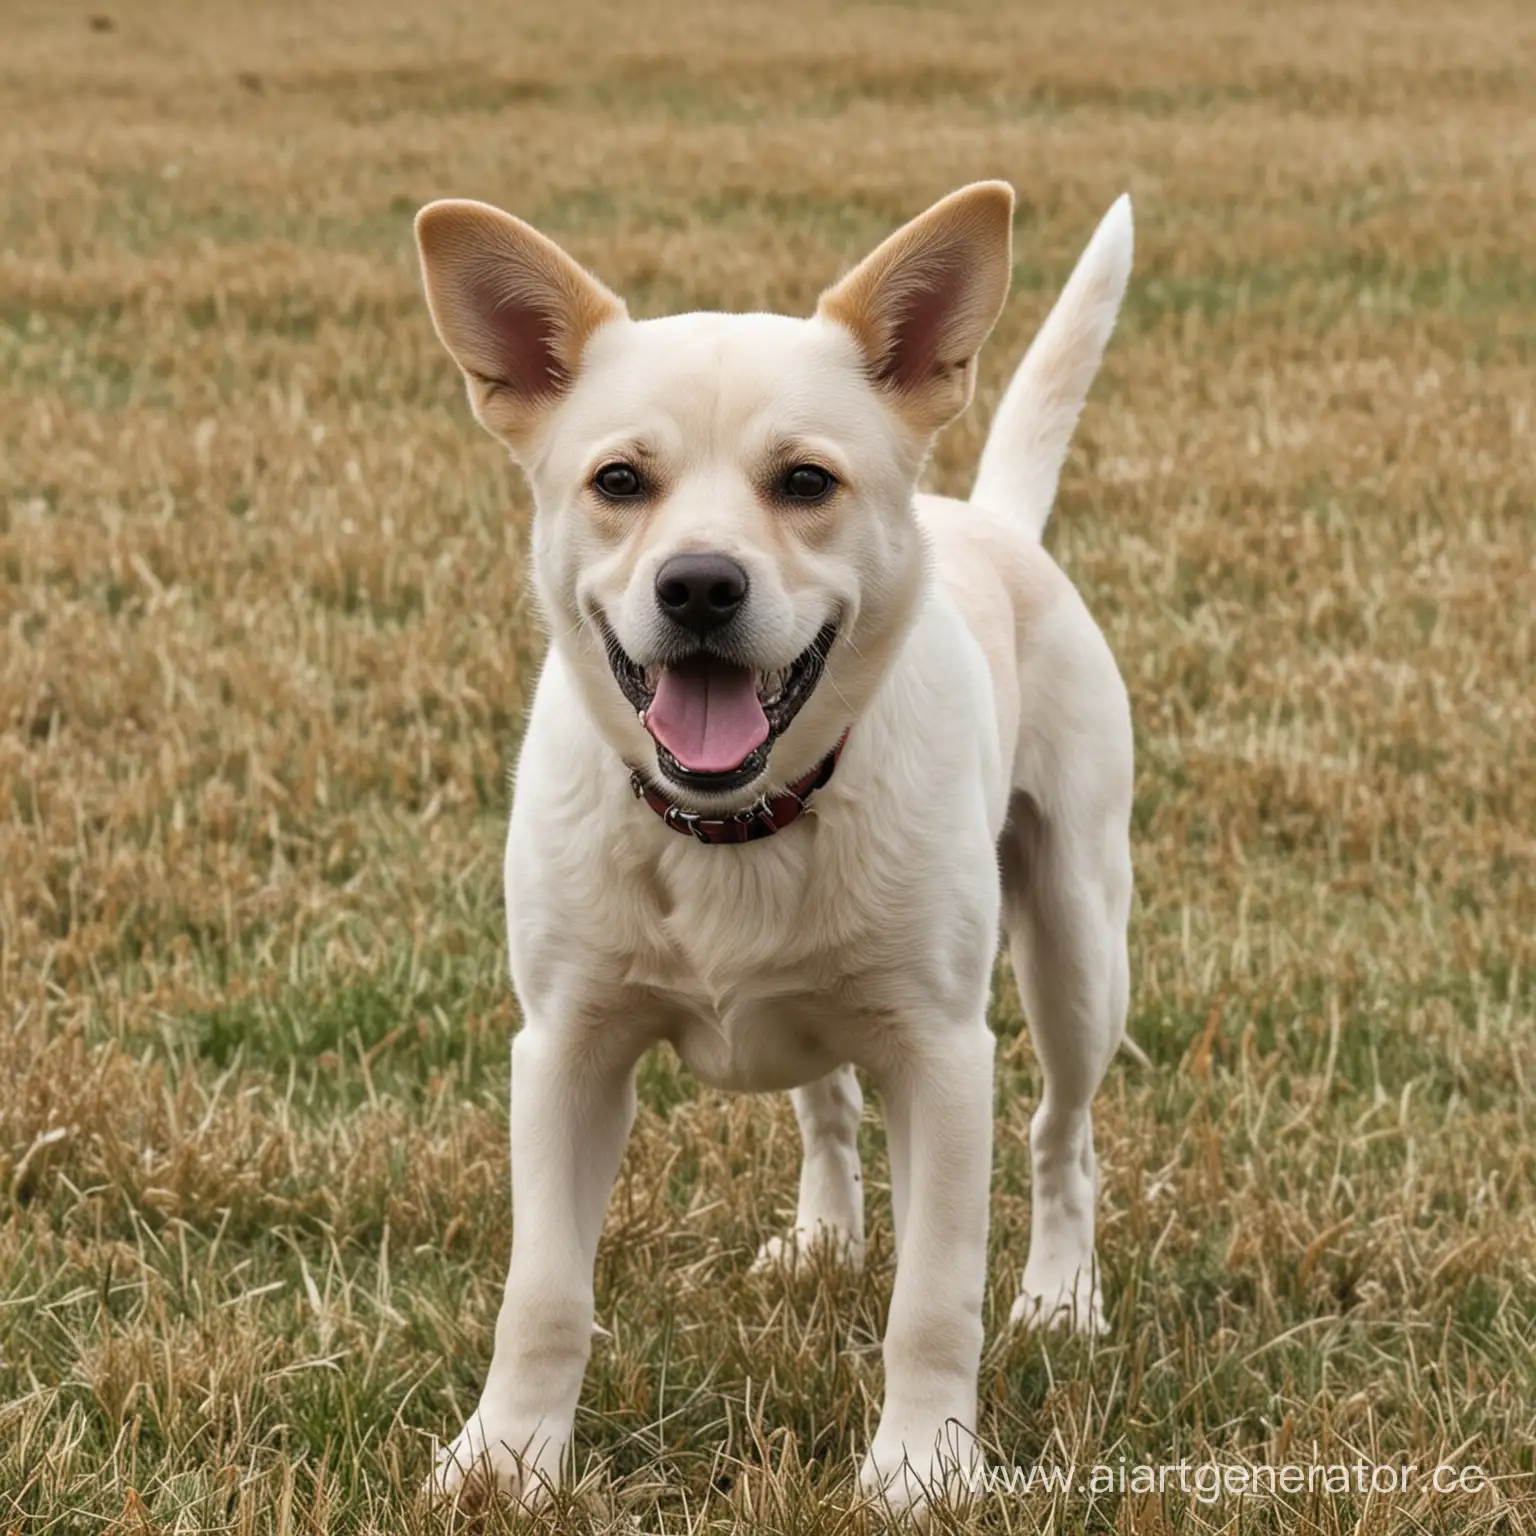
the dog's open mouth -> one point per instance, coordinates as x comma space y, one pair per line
715, 721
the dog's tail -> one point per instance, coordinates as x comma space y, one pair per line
1032, 429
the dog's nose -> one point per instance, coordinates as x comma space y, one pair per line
701, 592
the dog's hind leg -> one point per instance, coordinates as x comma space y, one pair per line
830, 1209
1066, 900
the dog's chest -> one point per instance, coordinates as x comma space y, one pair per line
751, 1046
752, 963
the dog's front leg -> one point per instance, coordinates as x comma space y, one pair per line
572, 1109
941, 1099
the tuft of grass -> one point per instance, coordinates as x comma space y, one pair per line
266, 651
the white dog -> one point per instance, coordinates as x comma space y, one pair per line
803, 739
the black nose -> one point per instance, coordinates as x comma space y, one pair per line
701, 592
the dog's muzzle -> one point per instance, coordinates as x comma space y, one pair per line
714, 720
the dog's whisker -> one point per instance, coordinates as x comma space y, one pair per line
583, 621
831, 683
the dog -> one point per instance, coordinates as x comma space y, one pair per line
804, 741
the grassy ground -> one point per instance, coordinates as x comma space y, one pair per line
265, 655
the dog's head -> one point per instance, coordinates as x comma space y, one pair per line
724, 543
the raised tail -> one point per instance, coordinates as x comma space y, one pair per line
1032, 429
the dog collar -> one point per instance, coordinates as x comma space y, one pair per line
765, 816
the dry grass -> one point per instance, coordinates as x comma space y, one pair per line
266, 654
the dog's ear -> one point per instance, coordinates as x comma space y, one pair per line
922, 303
511, 307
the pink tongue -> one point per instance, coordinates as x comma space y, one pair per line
706, 715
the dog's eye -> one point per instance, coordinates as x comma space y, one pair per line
619, 482
808, 482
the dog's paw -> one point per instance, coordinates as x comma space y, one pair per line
905, 1475
488, 1459
805, 1244
1071, 1301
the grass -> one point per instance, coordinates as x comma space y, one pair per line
267, 650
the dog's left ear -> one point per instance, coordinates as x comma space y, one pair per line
512, 308
921, 304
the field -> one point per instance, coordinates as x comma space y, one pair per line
265, 651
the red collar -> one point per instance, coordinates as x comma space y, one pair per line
765, 816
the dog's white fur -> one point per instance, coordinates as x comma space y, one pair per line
990, 735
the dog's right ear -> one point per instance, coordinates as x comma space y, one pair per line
922, 303
513, 310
